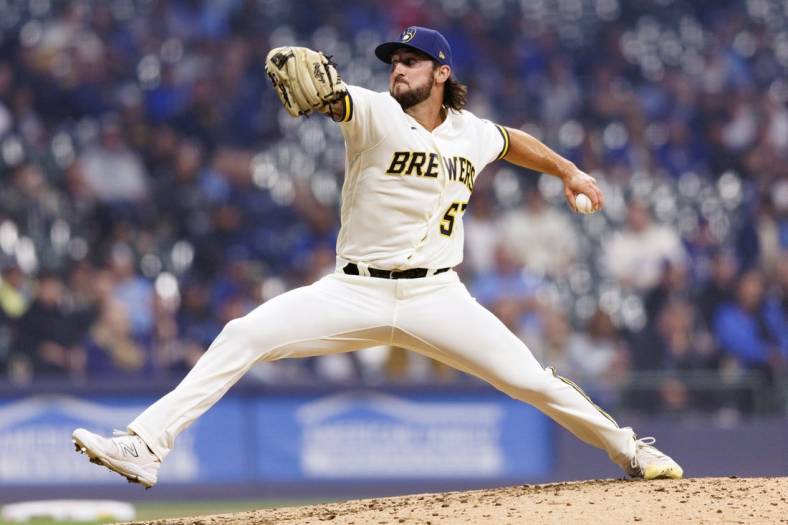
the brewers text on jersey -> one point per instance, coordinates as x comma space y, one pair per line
425, 164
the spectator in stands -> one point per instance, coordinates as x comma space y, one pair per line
47, 335
675, 345
507, 279
184, 188
114, 173
133, 293
482, 234
83, 296
197, 323
112, 351
752, 330
682, 152
718, 290
540, 237
673, 284
15, 298
548, 340
599, 358
32, 202
15, 289
676, 340
636, 254
758, 243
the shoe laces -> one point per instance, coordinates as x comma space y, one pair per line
645, 449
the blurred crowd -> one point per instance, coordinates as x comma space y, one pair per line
154, 189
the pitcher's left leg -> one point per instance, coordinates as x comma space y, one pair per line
446, 323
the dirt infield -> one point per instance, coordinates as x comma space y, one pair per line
695, 501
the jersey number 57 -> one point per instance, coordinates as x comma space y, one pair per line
455, 210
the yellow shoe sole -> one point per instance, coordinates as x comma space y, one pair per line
663, 472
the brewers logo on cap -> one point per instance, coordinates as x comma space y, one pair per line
428, 41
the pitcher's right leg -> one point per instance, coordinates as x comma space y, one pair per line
336, 314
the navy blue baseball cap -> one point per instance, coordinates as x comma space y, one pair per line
422, 39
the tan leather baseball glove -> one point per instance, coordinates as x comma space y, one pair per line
305, 80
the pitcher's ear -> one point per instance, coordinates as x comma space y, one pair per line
443, 73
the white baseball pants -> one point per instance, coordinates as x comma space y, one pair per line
435, 316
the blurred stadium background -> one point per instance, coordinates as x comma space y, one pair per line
153, 189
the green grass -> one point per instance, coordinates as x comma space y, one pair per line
176, 509
150, 511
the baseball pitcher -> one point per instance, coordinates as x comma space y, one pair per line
413, 156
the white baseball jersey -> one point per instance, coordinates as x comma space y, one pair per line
404, 194
406, 188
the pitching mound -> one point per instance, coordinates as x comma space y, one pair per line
696, 501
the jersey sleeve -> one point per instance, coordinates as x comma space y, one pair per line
493, 141
363, 119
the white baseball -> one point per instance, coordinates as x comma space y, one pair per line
583, 203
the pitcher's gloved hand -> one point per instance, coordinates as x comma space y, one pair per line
305, 80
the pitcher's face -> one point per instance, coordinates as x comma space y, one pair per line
412, 77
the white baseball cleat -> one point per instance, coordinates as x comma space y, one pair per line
126, 454
650, 463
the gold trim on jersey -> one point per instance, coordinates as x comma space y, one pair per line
580, 391
348, 109
505, 135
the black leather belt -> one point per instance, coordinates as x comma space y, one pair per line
413, 273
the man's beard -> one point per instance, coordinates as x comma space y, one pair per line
413, 96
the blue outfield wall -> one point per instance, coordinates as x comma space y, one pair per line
333, 442
291, 438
